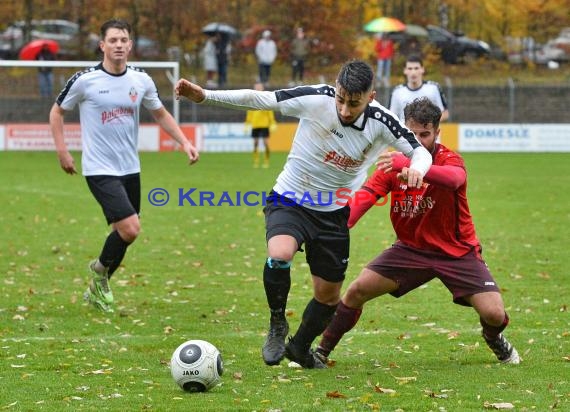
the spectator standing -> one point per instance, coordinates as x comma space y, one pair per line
415, 87
262, 123
45, 74
299, 51
266, 53
384, 48
223, 47
210, 61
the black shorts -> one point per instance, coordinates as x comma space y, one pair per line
119, 196
262, 132
324, 234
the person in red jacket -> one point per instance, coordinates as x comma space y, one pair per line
384, 48
435, 239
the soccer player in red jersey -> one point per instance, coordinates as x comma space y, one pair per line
435, 239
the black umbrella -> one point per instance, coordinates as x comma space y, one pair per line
212, 28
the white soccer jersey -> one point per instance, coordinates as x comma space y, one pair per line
402, 95
109, 108
328, 161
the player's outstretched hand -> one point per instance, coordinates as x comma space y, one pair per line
189, 90
392, 161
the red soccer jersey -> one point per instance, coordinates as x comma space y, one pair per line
433, 217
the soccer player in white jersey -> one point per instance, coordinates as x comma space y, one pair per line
416, 87
109, 96
341, 132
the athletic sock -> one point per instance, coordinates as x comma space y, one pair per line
315, 319
113, 252
116, 263
343, 320
277, 283
491, 332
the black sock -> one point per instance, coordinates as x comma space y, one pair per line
113, 252
316, 317
343, 320
116, 263
491, 332
277, 283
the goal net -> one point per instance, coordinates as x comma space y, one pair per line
21, 101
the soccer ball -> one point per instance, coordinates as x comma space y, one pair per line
196, 366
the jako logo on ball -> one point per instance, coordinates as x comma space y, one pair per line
196, 366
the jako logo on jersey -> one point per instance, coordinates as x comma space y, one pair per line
489, 283
133, 94
337, 133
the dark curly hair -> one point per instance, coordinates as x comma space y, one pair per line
423, 111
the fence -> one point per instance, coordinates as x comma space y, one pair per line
21, 101
514, 102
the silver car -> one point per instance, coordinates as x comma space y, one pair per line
64, 32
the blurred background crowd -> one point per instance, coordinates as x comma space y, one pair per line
310, 37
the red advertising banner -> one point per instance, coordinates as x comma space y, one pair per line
192, 133
37, 136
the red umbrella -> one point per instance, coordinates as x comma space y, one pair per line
30, 51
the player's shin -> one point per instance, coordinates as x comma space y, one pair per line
490, 331
315, 319
113, 251
344, 319
277, 283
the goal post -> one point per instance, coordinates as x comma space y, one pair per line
172, 71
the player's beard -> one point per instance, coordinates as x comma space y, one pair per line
343, 122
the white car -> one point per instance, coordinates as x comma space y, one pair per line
64, 32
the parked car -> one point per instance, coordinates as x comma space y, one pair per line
455, 47
146, 48
525, 49
64, 32
562, 42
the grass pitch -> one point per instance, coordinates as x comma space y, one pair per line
196, 273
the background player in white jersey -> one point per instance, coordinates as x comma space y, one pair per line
340, 134
109, 96
416, 87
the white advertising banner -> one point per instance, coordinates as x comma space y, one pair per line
234, 137
227, 137
478, 137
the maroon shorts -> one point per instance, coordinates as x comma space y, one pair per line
411, 268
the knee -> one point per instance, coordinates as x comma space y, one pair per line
282, 247
355, 295
494, 315
130, 232
281, 256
